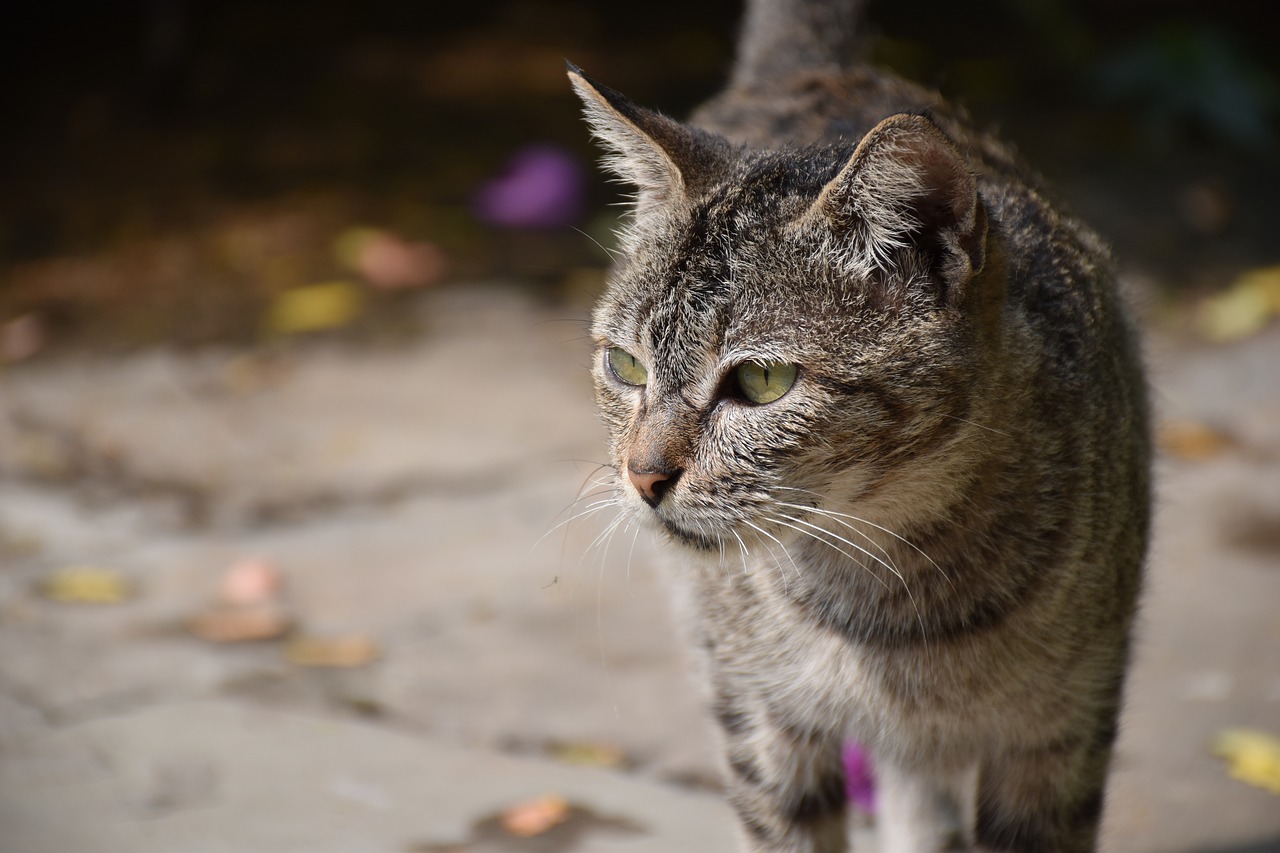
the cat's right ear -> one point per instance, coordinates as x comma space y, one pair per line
659, 156
907, 187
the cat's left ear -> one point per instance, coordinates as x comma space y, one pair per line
665, 160
908, 187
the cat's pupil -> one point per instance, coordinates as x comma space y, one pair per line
761, 383
626, 367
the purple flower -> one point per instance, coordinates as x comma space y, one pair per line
541, 187
860, 783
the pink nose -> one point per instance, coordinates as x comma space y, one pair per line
652, 485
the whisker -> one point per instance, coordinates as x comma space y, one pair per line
631, 553
786, 553
597, 465
905, 587
833, 513
853, 545
815, 538
607, 536
594, 507
976, 424
833, 516
612, 255
607, 533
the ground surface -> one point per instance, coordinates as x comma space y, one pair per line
402, 490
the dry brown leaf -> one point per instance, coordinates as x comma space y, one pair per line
534, 817
388, 261
239, 624
22, 337
1192, 441
345, 650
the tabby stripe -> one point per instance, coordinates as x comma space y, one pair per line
746, 770
984, 615
819, 803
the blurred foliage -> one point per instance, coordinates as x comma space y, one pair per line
1181, 78
172, 166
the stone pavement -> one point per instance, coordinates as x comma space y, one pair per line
402, 491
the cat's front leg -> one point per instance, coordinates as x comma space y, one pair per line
1047, 798
785, 782
919, 811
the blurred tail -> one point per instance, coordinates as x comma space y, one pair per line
783, 37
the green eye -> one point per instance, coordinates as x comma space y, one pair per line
764, 383
626, 366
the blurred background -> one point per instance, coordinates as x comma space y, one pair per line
169, 167
292, 380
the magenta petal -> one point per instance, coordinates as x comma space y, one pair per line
541, 187
860, 783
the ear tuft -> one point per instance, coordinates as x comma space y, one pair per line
662, 158
908, 187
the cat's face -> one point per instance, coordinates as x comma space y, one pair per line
755, 354
739, 371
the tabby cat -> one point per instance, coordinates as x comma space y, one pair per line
883, 400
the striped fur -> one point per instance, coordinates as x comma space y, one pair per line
933, 541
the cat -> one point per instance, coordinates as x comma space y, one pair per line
884, 403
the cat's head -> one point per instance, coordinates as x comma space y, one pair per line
789, 327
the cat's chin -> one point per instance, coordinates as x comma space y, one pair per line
689, 539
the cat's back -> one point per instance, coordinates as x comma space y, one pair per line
829, 108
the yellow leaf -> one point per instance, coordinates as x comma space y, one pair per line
1264, 280
315, 307
1252, 756
1243, 309
87, 585
351, 244
590, 754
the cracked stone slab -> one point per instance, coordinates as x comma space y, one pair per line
427, 539
478, 403
258, 779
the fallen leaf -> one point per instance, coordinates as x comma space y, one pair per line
21, 337
1252, 756
87, 585
250, 581
590, 754
350, 244
534, 817
1191, 441
315, 307
251, 373
389, 262
239, 624
19, 544
345, 650
1244, 309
